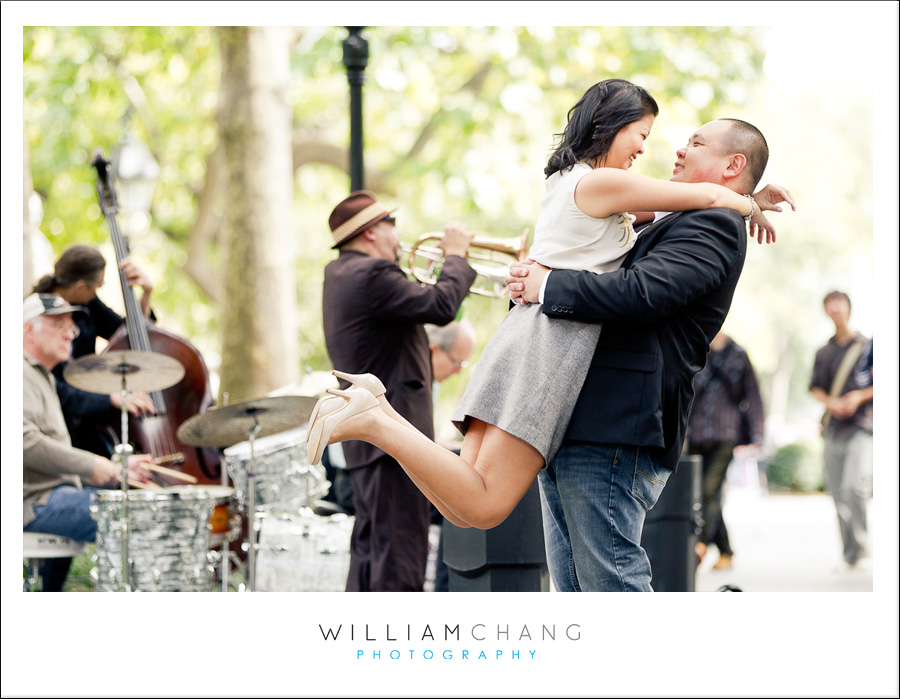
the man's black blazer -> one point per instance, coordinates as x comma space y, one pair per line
373, 317
659, 311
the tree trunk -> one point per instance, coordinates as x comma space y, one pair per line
260, 335
37, 253
30, 273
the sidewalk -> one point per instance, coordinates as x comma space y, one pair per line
783, 543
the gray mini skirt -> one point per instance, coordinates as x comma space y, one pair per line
528, 377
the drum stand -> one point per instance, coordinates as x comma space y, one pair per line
225, 551
123, 451
225, 427
253, 521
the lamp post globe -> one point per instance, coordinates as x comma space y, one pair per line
135, 172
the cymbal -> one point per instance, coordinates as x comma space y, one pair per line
142, 371
225, 427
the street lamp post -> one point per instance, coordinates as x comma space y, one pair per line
135, 172
356, 56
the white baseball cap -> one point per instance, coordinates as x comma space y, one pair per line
48, 305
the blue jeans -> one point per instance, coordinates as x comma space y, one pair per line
594, 499
67, 513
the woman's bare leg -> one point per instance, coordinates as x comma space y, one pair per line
471, 444
480, 487
470, 447
388, 409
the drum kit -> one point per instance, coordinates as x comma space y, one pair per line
161, 539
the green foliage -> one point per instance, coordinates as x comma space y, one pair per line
79, 84
80, 577
796, 467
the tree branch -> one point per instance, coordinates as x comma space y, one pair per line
203, 233
473, 85
307, 151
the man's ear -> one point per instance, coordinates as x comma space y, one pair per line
735, 166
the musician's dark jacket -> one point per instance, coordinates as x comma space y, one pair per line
659, 311
374, 316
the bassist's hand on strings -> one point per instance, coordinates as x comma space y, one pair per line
138, 404
135, 277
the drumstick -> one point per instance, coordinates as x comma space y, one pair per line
145, 486
170, 472
176, 458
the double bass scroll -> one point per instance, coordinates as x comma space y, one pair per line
157, 434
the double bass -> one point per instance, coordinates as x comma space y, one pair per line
157, 434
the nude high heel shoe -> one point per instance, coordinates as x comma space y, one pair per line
369, 382
355, 401
325, 405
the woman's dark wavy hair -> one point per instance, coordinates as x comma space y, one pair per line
594, 122
76, 263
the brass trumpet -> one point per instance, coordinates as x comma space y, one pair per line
489, 257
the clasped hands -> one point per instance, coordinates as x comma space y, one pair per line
525, 280
845, 406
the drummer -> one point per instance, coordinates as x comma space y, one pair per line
54, 500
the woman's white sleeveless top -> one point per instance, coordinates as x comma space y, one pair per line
567, 238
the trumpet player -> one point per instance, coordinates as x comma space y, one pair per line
374, 320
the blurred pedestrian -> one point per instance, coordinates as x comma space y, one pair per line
727, 414
845, 389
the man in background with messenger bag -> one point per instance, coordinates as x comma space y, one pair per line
846, 425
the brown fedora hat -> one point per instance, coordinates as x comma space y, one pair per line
358, 212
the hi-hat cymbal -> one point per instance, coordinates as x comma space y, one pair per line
224, 427
141, 371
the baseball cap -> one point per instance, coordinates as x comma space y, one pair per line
48, 305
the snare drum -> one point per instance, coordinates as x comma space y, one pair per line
225, 522
168, 540
285, 480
